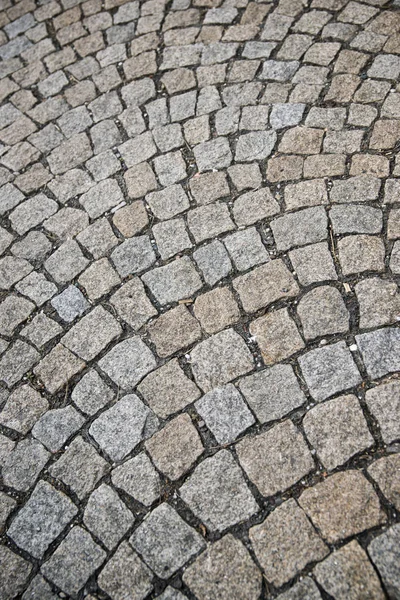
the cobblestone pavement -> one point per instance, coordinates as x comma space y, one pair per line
200, 351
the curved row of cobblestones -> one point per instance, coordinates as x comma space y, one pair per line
200, 252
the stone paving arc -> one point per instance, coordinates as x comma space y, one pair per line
199, 306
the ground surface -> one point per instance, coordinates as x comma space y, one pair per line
199, 350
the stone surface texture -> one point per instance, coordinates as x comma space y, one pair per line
199, 303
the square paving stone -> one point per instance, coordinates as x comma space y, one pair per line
176, 447
99, 279
343, 505
14, 573
347, 574
380, 351
277, 336
209, 221
215, 154
225, 413
286, 542
276, 459
168, 390
169, 202
80, 467
256, 145
133, 255
91, 393
138, 478
132, 304
170, 168
220, 359
55, 427
383, 401
359, 253
92, 333
209, 187
71, 303
386, 473
216, 309
338, 430
44, 516
23, 465
246, 248
254, 206
37, 287
165, 541
98, 238
175, 281
122, 427
171, 237
264, 285
224, 571
272, 393
385, 554
213, 261
322, 311
66, 263
217, 493
306, 226
16, 361
174, 330
128, 362
58, 367
106, 516
23, 408
328, 370
131, 219
125, 575
39, 588
74, 561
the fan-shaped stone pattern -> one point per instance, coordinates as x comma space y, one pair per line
199, 252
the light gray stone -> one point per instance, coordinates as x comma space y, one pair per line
165, 541
122, 427
384, 552
138, 478
225, 413
44, 516
91, 393
106, 516
179, 279
128, 362
272, 393
55, 427
217, 493
125, 575
23, 465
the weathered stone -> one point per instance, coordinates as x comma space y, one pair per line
91, 393
74, 561
337, 430
286, 542
384, 552
225, 570
23, 465
14, 573
128, 362
166, 541
217, 493
92, 334
45, 515
277, 459
175, 448
107, 516
138, 478
125, 573
55, 427
385, 472
342, 505
175, 281
328, 370
277, 336
174, 330
348, 574
80, 467
322, 312
119, 429
265, 285
132, 304
380, 351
